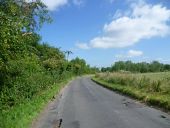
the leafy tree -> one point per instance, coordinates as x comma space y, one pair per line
18, 21
166, 67
27, 66
107, 69
142, 67
156, 66
120, 65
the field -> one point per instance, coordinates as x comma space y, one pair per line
151, 88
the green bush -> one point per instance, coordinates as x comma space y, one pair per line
27, 66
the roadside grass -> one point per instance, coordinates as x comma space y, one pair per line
147, 88
157, 75
22, 115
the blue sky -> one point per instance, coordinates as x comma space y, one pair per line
105, 31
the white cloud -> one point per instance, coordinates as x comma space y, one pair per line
82, 46
54, 4
134, 53
130, 54
143, 21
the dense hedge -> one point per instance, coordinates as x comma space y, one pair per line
27, 66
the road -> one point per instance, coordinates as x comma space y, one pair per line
84, 104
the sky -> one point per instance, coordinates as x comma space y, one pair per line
105, 31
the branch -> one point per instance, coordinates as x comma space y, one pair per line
26, 33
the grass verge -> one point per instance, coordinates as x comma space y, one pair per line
160, 101
22, 115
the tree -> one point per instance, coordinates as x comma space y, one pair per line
120, 65
155, 66
18, 21
167, 67
142, 67
79, 66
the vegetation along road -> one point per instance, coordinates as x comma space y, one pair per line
84, 104
36, 64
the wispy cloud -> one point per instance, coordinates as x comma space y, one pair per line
130, 54
82, 46
54, 4
134, 53
143, 21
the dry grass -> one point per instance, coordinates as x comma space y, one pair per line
152, 88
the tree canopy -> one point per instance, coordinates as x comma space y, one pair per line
27, 65
142, 67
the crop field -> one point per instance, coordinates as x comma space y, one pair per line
163, 78
154, 76
151, 88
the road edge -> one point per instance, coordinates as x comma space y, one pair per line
55, 99
132, 95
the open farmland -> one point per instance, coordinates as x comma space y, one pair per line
151, 88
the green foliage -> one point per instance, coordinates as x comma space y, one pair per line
79, 67
155, 86
28, 67
141, 67
147, 87
143, 82
18, 20
147, 82
21, 116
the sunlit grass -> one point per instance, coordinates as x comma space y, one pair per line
21, 116
151, 88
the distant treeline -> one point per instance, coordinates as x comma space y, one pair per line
142, 67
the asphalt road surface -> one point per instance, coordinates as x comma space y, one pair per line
84, 104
